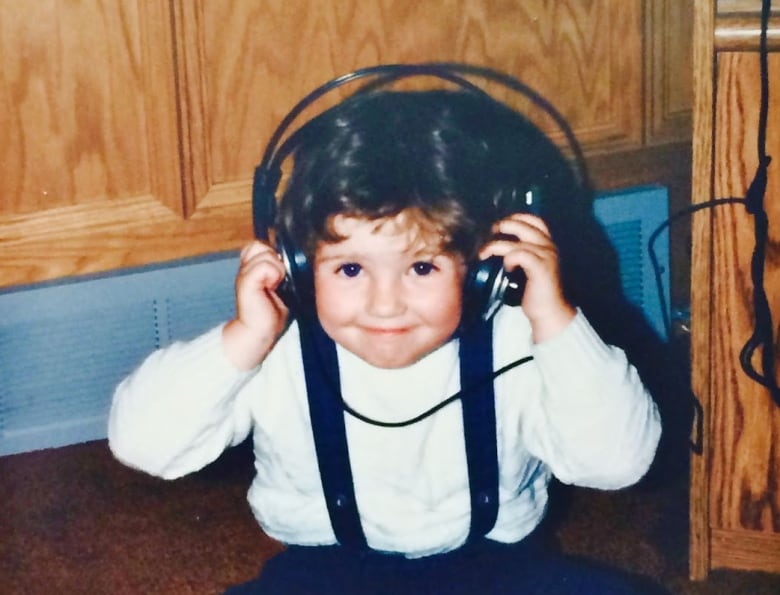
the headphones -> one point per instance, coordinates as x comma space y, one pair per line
487, 285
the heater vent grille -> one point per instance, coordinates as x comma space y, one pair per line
629, 218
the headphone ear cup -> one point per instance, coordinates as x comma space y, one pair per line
297, 289
488, 286
481, 292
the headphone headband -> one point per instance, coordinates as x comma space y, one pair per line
268, 173
487, 285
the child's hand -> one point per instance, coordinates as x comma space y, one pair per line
524, 241
260, 313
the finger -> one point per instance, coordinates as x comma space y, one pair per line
264, 270
529, 255
265, 260
255, 248
524, 226
519, 240
248, 250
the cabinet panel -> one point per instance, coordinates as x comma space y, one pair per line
668, 30
248, 62
129, 130
79, 124
88, 129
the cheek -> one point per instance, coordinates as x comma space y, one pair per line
453, 309
330, 303
336, 306
444, 305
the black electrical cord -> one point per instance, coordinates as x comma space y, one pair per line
763, 333
657, 268
440, 405
762, 336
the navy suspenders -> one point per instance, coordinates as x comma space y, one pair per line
321, 368
479, 425
330, 439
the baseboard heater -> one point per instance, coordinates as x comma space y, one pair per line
65, 345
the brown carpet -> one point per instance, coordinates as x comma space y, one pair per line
76, 521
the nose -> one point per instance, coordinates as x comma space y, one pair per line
385, 298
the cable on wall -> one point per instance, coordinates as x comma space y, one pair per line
763, 336
763, 333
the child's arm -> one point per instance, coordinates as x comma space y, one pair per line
594, 423
181, 408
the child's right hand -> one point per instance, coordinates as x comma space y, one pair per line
260, 314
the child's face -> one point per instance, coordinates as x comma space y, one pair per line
387, 292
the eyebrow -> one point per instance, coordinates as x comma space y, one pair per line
348, 256
336, 257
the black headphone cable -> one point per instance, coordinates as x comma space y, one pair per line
461, 394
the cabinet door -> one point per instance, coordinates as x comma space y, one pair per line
129, 130
668, 32
89, 155
245, 63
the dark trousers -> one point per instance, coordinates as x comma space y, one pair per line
485, 568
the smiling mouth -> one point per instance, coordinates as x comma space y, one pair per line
386, 332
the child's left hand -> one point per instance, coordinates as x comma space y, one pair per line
524, 241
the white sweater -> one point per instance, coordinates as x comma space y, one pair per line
577, 410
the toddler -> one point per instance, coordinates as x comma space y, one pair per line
404, 438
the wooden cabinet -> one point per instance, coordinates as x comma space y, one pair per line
129, 129
735, 485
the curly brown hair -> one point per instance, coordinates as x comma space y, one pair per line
459, 159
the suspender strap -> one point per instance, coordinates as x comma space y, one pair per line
321, 368
320, 363
479, 425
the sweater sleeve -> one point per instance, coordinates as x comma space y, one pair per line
179, 410
594, 423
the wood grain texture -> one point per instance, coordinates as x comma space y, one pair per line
735, 488
746, 550
88, 132
123, 115
737, 25
744, 7
701, 265
79, 123
742, 33
254, 60
72, 248
745, 492
669, 56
